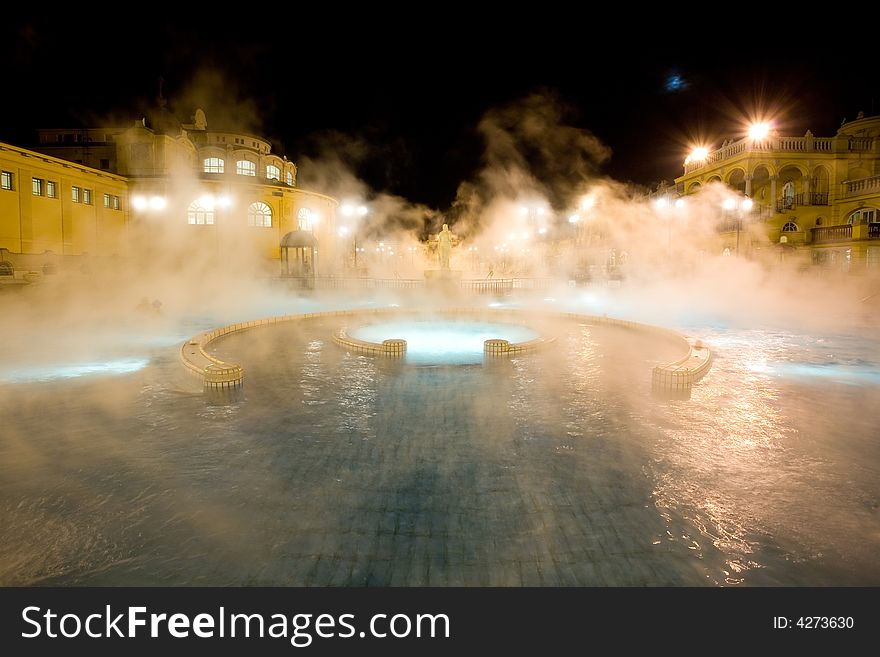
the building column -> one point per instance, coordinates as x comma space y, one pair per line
749, 186
773, 192
807, 199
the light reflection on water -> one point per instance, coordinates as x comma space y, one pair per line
332, 468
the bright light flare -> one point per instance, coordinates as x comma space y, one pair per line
139, 202
698, 154
362, 210
680, 203
347, 210
759, 131
747, 204
542, 230
661, 203
587, 202
224, 201
728, 204
573, 219
158, 203
207, 202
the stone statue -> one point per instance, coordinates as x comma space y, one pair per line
445, 240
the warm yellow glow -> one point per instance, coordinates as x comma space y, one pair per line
157, 203
573, 219
541, 211
224, 201
759, 131
747, 204
523, 210
587, 202
347, 210
138, 202
207, 202
362, 210
728, 204
679, 203
698, 154
343, 231
661, 203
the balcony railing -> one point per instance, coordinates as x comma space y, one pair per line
824, 234
874, 231
862, 186
800, 200
780, 144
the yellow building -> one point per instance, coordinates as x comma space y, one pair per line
160, 186
814, 198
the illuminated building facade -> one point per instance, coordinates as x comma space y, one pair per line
813, 199
160, 184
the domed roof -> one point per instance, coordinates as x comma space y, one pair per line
299, 238
163, 122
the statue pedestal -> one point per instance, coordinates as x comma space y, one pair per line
442, 275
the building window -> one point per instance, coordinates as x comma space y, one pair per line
214, 165
51, 189
290, 178
790, 227
76, 194
863, 216
305, 219
273, 172
259, 214
7, 180
245, 168
106, 200
116, 204
37, 186
200, 214
87, 196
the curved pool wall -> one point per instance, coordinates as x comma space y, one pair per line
675, 378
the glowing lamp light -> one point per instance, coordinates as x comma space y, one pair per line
587, 202
362, 210
224, 201
207, 202
525, 236
541, 211
698, 154
157, 203
728, 204
747, 204
661, 203
679, 203
343, 231
139, 202
573, 219
523, 210
347, 210
542, 230
759, 131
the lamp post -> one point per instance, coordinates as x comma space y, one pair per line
739, 209
354, 211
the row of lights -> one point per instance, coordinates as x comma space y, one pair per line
756, 132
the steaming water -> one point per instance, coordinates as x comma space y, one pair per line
558, 468
443, 342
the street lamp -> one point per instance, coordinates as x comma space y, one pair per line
353, 211
739, 209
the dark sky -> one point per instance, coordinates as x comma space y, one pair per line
415, 89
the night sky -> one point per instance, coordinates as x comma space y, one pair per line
416, 94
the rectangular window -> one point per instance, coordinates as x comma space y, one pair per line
116, 205
87, 196
51, 189
273, 172
214, 165
37, 186
245, 168
106, 200
76, 194
7, 180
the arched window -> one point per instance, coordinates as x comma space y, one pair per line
819, 221
305, 218
213, 165
259, 214
790, 227
864, 216
200, 214
273, 172
245, 168
290, 178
